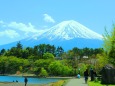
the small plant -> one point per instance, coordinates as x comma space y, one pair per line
59, 83
97, 83
96, 80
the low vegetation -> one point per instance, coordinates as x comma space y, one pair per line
59, 83
93, 83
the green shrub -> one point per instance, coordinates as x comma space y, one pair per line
43, 73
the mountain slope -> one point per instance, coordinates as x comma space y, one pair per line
67, 34
70, 30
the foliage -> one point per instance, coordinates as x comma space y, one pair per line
102, 60
109, 45
67, 71
82, 67
2, 52
43, 73
48, 56
59, 83
12, 64
93, 83
45, 57
59, 51
41, 63
57, 68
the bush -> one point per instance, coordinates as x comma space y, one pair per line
43, 73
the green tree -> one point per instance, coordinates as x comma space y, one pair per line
82, 67
55, 68
30, 51
109, 45
59, 69
2, 52
38, 64
66, 71
15, 51
101, 61
19, 45
12, 64
76, 51
39, 50
3, 64
43, 73
25, 53
86, 51
48, 56
59, 52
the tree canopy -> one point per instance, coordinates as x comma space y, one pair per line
45, 59
109, 45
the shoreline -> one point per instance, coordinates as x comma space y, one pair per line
30, 84
33, 75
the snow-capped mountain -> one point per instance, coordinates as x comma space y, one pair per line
67, 30
67, 34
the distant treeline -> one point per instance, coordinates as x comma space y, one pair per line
44, 60
38, 51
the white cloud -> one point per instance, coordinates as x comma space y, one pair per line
48, 18
9, 33
14, 31
23, 27
26, 30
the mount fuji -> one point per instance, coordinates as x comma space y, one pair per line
67, 34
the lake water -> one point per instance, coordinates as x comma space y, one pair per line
30, 79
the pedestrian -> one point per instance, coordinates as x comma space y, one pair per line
25, 80
92, 74
16, 80
86, 74
78, 76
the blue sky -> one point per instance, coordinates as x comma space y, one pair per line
23, 18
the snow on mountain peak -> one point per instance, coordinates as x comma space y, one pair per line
70, 29
60, 35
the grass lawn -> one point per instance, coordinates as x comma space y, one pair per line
98, 83
59, 83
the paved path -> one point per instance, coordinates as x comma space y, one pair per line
76, 82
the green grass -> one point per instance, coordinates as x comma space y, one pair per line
59, 83
96, 83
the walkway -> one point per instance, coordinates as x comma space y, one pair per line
76, 82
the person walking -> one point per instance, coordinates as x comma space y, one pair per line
86, 74
25, 80
93, 74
